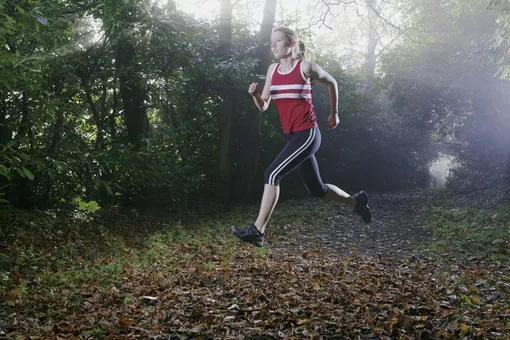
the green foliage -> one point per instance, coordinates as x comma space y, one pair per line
14, 163
64, 84
7, 24
89, 207
63, 123
73, 128
72, 120
13, 166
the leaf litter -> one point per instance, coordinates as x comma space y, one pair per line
268, 296
286, 292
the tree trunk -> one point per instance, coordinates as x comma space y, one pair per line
102, 116
371, 58
25, 127
225, 120
113, 115
97, 114
55, 134
5, 137
264, 36
254, 119
131, 91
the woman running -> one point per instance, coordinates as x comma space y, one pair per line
288, 84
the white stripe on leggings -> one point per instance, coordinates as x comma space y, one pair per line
292, 156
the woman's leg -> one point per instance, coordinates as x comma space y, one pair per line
298, 148
269, 200
337, 194
309, 171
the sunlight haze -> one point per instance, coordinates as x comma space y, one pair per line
340, 32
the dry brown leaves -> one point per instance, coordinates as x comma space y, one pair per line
309, 294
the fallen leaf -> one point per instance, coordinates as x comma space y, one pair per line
125, 322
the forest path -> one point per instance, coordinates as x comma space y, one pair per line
397, 228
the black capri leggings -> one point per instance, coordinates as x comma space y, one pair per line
299, 152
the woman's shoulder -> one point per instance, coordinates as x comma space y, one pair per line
272, 67
307, 65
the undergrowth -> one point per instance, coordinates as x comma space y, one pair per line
55, 257
471, 231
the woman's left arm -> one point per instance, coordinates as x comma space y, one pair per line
314, 71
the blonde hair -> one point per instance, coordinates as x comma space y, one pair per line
299, 49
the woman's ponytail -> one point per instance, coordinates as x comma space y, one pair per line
299, 51
302, 53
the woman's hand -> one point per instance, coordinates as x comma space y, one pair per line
333, 120
254, 89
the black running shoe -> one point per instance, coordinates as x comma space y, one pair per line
362, 207
249, 234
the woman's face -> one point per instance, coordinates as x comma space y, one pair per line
280, 45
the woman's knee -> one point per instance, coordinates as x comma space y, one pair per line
271, 178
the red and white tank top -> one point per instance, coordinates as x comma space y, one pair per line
292, 94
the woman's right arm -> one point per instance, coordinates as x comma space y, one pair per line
262, 100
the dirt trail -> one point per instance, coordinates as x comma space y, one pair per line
396, 229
